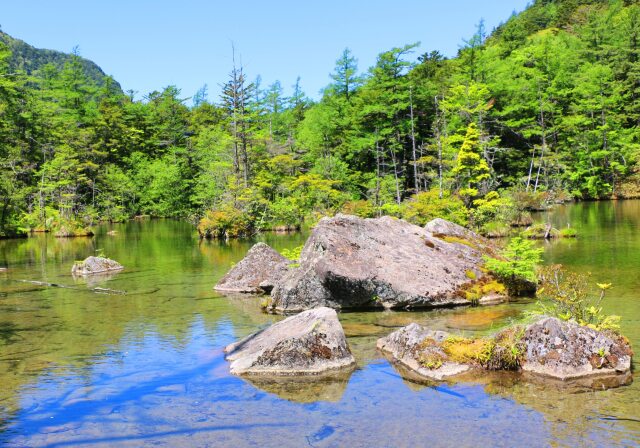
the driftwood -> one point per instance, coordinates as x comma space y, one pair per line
97, 290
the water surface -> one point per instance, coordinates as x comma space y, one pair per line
82, 368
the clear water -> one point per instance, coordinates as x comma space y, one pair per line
81, 368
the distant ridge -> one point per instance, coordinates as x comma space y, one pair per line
31, 60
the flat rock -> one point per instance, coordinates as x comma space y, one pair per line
418, 350
95, 265
350, 263
310, 343
256, 273
566, 350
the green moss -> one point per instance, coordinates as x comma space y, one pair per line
432, 360
502, 352
431, 356
457, 240
467, 351
484, 287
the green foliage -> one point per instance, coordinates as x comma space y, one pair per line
568, 232
570, 296
293, 255
546, 104
471, 168
361, 208
517, 264
425, 206
225, 223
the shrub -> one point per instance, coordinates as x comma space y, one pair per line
491, 208
225, 223
293, 255
285, 212
570, 297
423, 207
517, 268
361, 208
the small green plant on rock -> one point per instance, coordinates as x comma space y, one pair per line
517, 267
293, 255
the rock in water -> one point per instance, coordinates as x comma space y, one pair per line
95, 265
566, 350
350, 262
418, 350
258, 271
309, 343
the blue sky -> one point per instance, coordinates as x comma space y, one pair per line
149, 44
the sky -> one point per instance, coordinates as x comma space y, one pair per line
147, 45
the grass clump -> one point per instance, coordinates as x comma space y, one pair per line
568, 232
508, 349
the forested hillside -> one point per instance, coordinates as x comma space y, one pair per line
544, 108
31, 60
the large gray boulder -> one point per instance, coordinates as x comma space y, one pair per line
566, 350
257, 273
418, 350
95, 265
350, 262
442, 227
309, 343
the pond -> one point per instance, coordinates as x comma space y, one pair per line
85, 367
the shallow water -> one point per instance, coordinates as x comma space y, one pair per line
81, 368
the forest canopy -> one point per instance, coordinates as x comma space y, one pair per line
544, 108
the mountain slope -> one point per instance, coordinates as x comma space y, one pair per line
31, 60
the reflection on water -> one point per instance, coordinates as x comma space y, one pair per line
81, 368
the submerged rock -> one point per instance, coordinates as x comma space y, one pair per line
309, 343
419, 350
257, 273
350, 262
566, 350
95, 265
